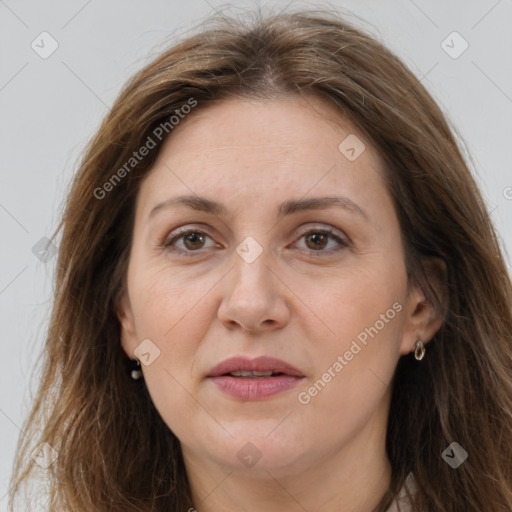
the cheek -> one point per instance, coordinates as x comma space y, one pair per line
354, 370
165, 300
168, 310
358, 301
364, 308
176, 309
174, 400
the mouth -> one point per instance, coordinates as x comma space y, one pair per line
252, 375
260, 367
254, 379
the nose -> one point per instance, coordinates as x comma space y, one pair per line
255, 297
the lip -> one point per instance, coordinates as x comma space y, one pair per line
258, 388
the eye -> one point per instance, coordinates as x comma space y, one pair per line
317, 239
194, 240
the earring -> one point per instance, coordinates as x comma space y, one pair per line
419, 351
136, 372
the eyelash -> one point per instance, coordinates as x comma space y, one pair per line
167, 242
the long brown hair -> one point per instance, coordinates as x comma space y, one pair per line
115, 453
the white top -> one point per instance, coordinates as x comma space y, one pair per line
402, 503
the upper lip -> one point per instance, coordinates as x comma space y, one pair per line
260, 364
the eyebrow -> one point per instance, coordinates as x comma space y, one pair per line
289, 207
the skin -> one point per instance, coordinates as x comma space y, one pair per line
306, 309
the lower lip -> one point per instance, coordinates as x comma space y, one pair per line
258, 388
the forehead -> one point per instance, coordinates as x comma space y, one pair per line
288, 126
292, 145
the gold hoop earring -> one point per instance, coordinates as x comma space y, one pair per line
419, 351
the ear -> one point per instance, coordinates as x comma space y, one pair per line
423, 319
127, 325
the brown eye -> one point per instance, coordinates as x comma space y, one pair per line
317, 240
191, 241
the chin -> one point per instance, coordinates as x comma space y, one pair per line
260, 446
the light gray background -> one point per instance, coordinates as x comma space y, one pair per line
50, 107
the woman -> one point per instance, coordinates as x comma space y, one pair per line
278, 288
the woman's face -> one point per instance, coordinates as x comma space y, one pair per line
265, 272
